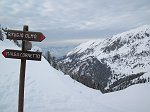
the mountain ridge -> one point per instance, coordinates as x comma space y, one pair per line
127, 54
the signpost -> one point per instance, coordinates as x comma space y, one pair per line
24, 55
25, 35
16, 54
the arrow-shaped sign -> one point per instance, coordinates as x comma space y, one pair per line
25, 35
16, 54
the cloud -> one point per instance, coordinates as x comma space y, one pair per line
75, 19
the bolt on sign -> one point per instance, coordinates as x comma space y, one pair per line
23, 54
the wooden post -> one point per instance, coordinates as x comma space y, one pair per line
22, 77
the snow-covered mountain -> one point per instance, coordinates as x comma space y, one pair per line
49, 90
111, 64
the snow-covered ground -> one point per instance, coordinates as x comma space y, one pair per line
49, 90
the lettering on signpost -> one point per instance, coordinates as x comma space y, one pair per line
25, 35
16, 54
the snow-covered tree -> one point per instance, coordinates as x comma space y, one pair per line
51, 59
1, 34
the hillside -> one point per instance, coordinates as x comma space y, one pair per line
112, 64
47, 90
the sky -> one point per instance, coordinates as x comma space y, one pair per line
74, 21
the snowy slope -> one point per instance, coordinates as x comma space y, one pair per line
130, 44
48, 90
126, 55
